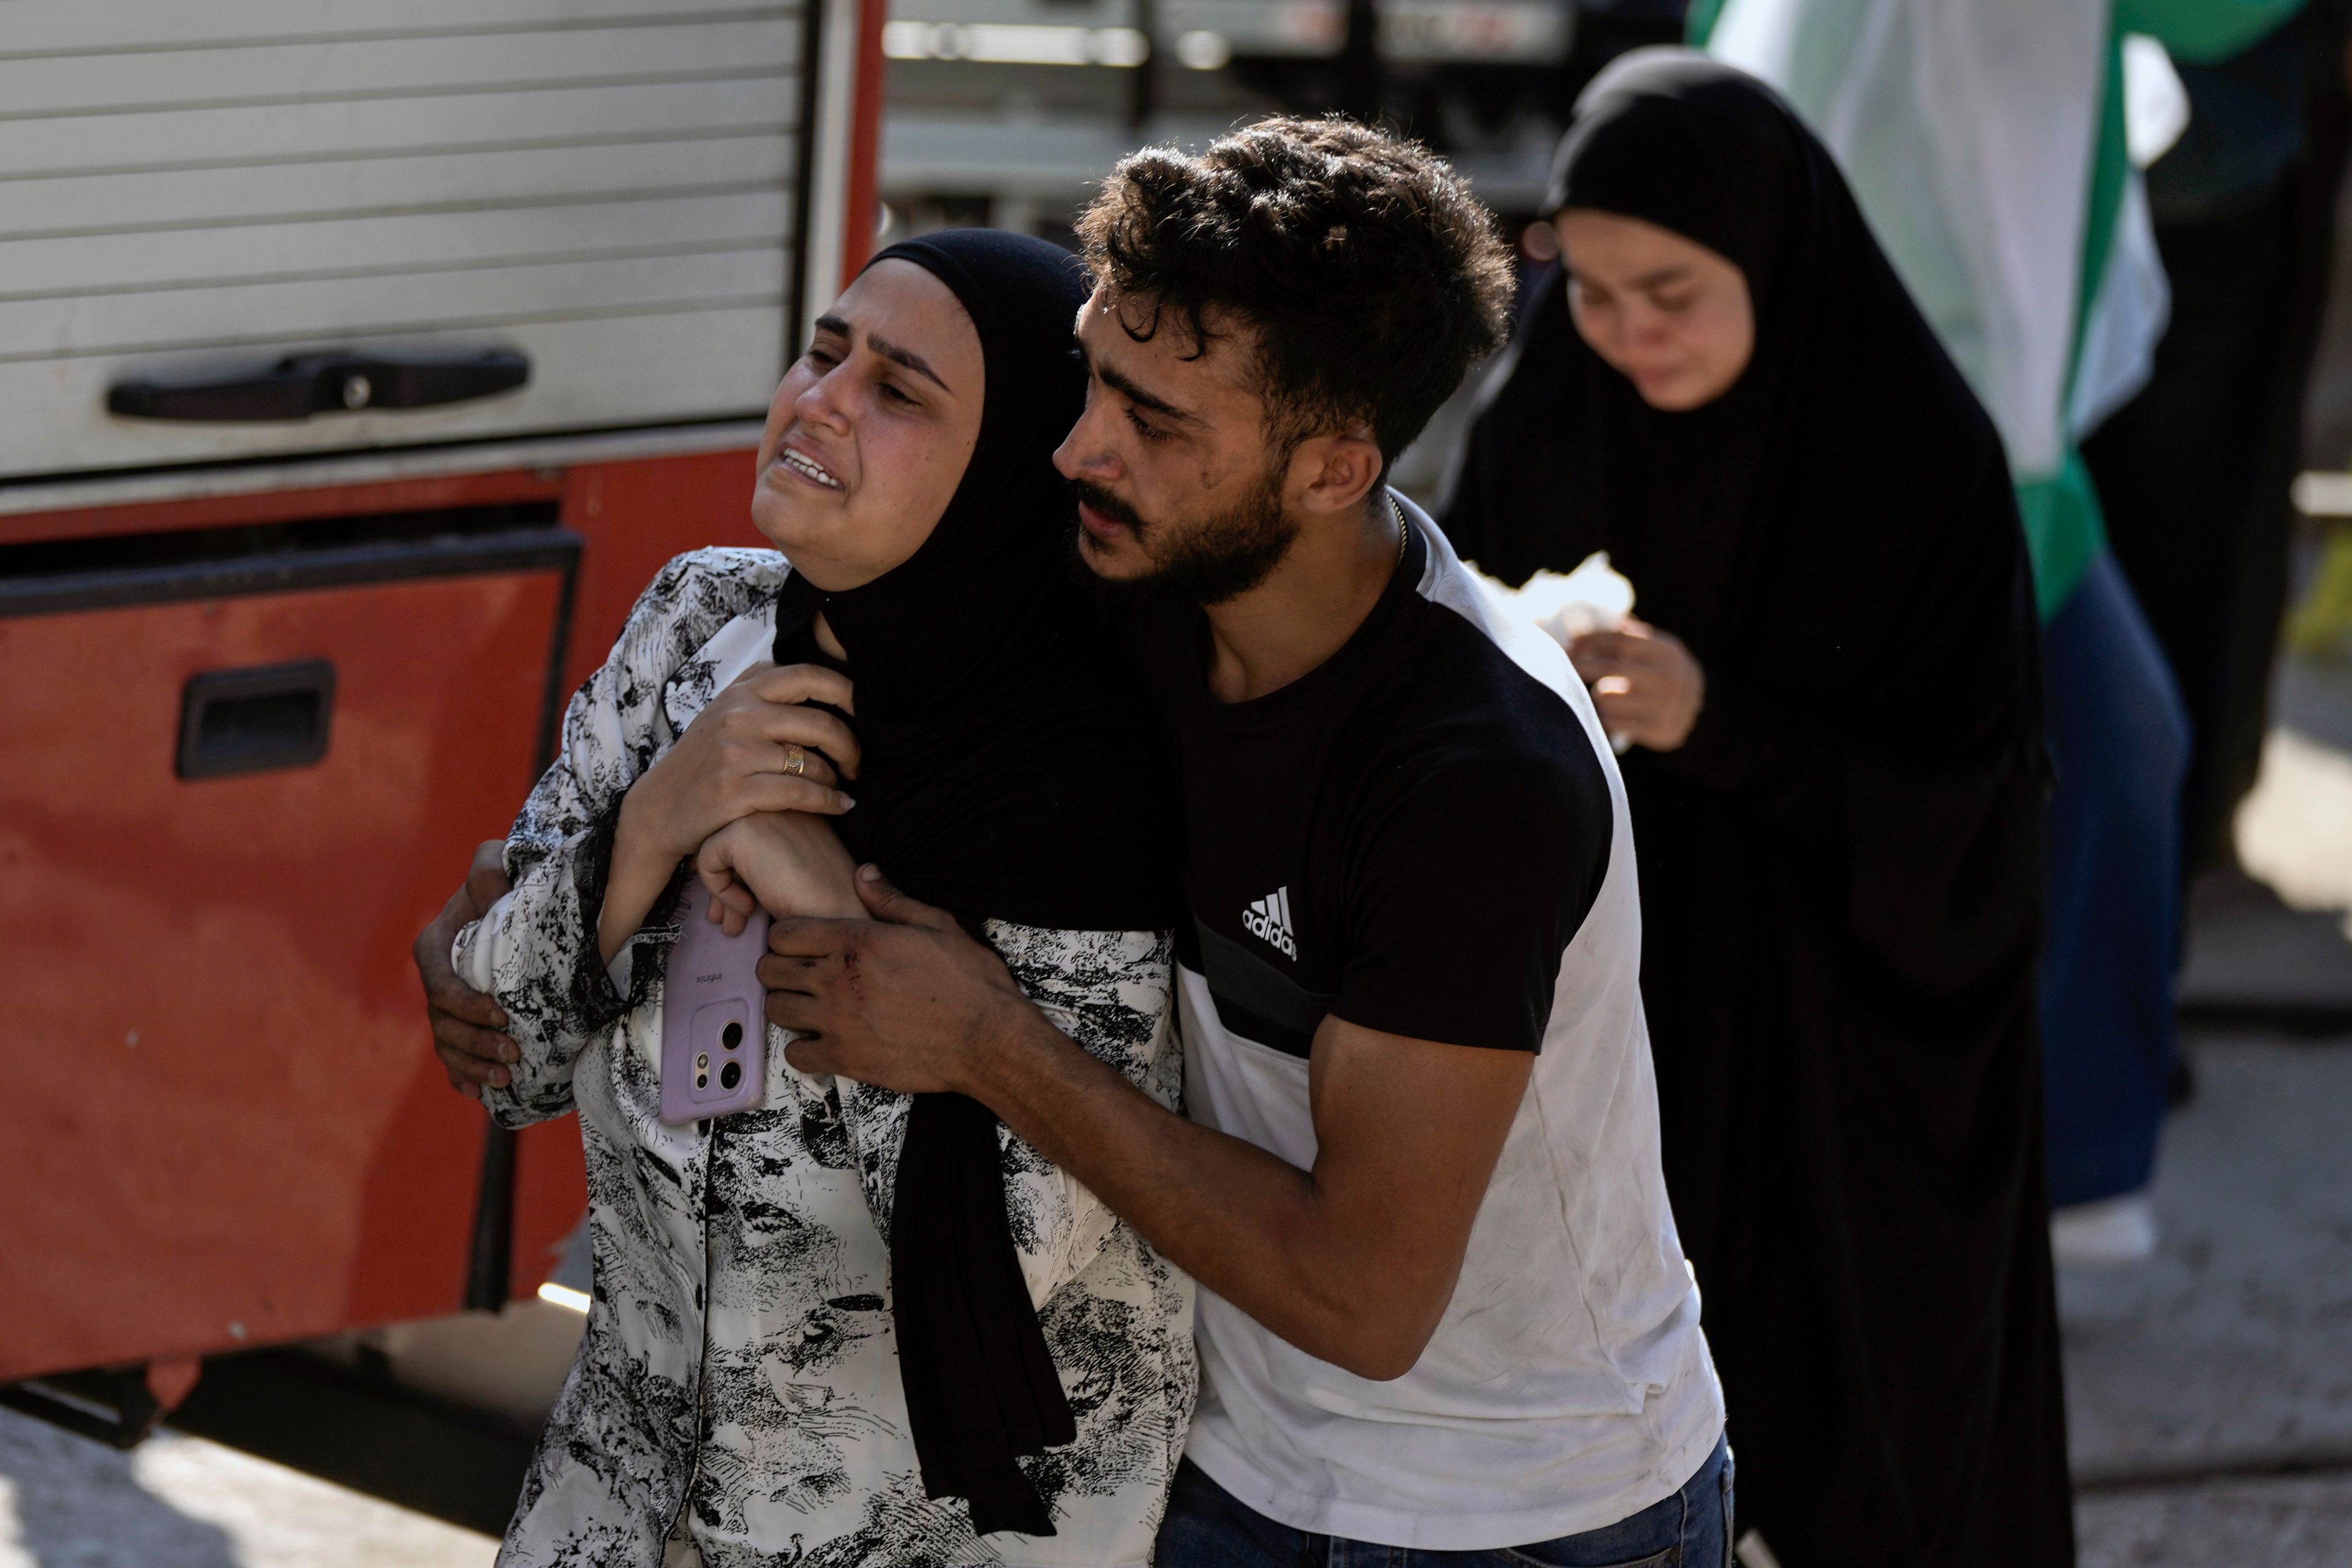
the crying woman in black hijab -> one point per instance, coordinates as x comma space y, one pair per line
1832, 698
844, 1323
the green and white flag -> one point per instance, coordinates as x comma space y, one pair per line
1995, 146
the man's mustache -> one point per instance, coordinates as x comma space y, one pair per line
1108, 504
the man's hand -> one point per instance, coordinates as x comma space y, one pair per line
466, 1023
1647, 686
901, 1001
1353, 1261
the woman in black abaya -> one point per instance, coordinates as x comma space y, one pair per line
1837, 781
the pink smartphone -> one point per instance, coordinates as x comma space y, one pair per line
714, 1016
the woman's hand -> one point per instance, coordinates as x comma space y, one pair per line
785, 862
735, 759
754, 748
1648, 687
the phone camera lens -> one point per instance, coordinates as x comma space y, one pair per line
731, 1035
731, 1074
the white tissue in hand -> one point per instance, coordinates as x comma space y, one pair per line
1595, 598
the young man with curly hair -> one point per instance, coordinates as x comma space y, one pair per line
1444, 1314
1443, 1306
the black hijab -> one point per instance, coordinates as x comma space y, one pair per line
1010, 771
1847, 483
1011, 768
1840, 868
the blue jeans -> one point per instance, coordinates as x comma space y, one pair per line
2111, 936
1207, 1527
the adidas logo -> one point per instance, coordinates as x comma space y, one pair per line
1269, 919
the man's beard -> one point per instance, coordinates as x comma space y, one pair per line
1213, 561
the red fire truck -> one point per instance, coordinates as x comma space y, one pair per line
357, 366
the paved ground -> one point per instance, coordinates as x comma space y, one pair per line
2230, 1357
2297, 1522
182, 1502
2232, 1351
2198, 1386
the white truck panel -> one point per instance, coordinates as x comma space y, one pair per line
650, 223
395, 68
618, 371
83, 27
272, 136
608, 186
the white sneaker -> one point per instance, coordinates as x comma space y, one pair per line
2113, 1233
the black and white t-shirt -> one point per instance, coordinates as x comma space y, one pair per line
1426, 836
1321, 816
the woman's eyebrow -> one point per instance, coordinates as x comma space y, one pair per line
839, 327
1672, 272
908, 358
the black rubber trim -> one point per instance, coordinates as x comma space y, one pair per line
529, 435
112, 1407
554, 696
355, 1426
489, 1249
516, 550
804, 191
338, 382
2319, 1457
2314, 1018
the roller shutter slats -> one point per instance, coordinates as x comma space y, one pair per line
607, 187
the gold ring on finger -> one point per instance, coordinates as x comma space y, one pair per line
795, 761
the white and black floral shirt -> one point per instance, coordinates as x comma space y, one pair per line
737, 1397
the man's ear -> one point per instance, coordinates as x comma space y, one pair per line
1335, 473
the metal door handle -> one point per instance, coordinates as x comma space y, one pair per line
304, 384
251, 720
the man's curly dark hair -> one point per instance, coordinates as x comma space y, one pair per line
1371, 278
